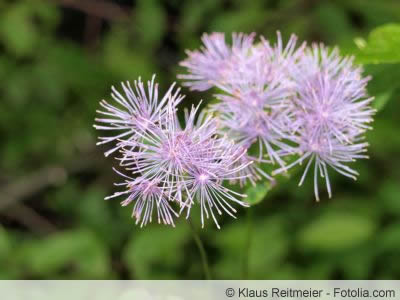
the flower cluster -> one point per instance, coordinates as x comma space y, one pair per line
284, 101
278, 106
331, 114
170, 165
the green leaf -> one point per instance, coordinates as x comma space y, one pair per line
17, 31
389, 239
383, 84
231, 242
78, 250
195, 14
381, 100
388, 194
358, 262
237, 21
384, 131
122, 61
5, 245
256, 194
156, 251
333, 21
320, 268
233, 238
336, 231
268, 248
382, 46
151, 22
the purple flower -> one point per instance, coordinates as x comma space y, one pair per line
213, 62
257, 114
136, 109
190, 163
252, 171
169, 164
164, 149
284, 100
205, 177
331, 114
256, 108
147, 195
274, 101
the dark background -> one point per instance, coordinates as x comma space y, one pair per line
59, 58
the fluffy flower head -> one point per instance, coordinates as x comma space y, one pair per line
331, 114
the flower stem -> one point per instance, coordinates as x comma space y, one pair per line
203, 254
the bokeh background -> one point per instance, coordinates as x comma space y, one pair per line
59, 58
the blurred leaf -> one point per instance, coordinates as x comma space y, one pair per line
384, 78
24, 23
94, 212
79, 250
194, 15
381, 100
238, 21
151, 22
287, 271
383, 84
333, 21
231, 244
5, 245
382, 46
373, 13
5, 66
16, 29
122, 61
383, 132
389, 195
256, 194
389, 239
156, 252
48, 13
357, 264
233, 238
17, 78
68, 67
320, 269
335, 231
269, 246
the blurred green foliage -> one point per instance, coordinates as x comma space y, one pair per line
382, 45
57, 62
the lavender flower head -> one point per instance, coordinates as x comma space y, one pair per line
136, 109
254, 107
213, 62
287, 100
331, 114
146, 194
168, 164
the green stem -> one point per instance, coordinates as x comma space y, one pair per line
247, 244
203, 254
